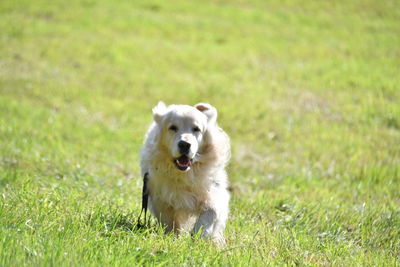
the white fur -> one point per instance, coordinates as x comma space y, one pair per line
195, 199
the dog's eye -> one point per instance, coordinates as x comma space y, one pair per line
196, 129
173, 128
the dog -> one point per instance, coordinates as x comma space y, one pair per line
184, 155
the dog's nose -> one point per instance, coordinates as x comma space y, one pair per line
183, 147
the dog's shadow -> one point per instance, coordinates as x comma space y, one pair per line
115, 221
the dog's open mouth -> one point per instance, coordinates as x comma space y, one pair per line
183, 162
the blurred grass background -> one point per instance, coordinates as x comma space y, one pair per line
307, 90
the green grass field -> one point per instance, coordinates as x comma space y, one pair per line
308, 91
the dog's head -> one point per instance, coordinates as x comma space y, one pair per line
182, 130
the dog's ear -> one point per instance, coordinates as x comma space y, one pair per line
209, 111
159, 111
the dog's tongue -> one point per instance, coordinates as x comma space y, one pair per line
185, 161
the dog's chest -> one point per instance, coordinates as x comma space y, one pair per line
178, 194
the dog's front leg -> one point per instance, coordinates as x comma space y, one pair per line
206, 222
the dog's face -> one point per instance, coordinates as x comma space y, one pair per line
182, 130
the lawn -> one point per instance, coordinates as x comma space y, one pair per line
307, 90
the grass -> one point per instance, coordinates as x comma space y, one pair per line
307, 90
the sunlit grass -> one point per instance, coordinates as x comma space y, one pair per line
308, 92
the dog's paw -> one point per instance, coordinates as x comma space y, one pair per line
219, 241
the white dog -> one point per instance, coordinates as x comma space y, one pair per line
184, 155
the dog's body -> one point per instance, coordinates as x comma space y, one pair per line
185, 154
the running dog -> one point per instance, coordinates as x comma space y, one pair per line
184, 157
